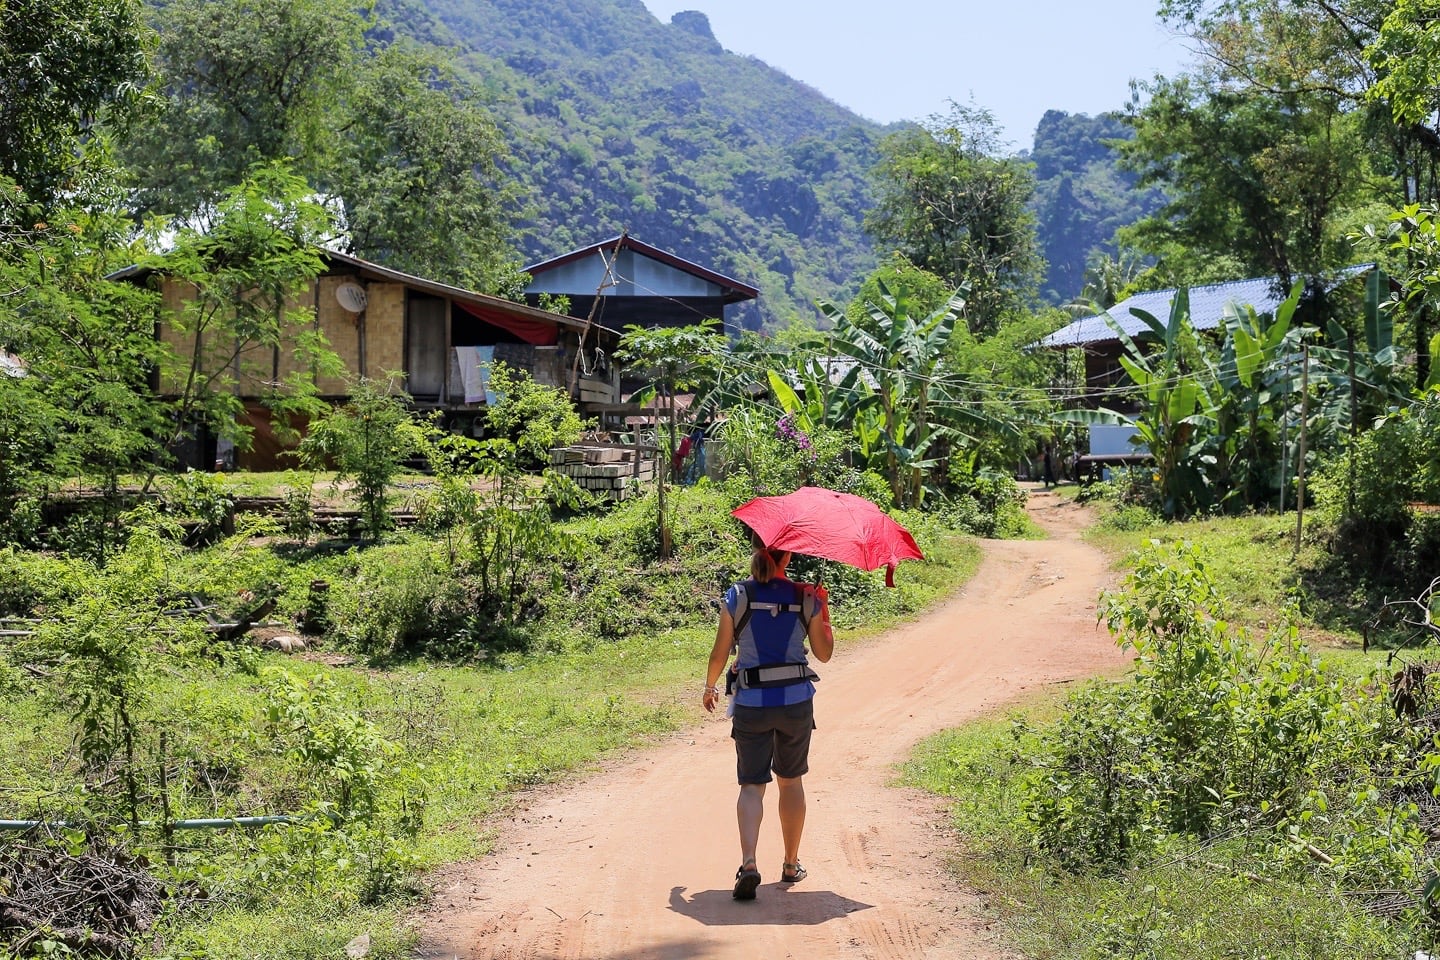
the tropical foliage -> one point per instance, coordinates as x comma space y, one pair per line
955, 207
277, 128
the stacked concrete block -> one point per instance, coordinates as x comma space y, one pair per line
611, 471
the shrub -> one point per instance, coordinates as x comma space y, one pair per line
1396, 464
1213, 734
402, 598
1380, 544
367, 441
32, 583
204, 502
768, 456
985, 504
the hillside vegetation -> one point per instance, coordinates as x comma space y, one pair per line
623, 122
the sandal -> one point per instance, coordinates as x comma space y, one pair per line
746, 880
792, 873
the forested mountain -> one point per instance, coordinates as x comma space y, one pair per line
1081, 195
619, 121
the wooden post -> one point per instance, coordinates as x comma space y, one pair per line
1300, 460
661, 468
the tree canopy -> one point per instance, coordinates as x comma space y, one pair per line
68, 68
953, 205
383, 128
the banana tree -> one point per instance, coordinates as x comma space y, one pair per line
807, 394
1171, 404
903, 353
1362, 376
1252, 381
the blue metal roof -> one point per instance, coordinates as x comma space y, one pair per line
1207, 306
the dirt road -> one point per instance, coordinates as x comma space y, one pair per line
636, 863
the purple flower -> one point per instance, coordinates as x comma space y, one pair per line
785, 428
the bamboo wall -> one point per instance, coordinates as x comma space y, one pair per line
368, 344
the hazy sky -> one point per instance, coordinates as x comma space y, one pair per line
906, 59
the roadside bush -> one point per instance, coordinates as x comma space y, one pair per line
985, 504
608, 593
1127, 487
1235, 896
1130, 517
1383, 534
1396, 464
403, 598
1213, 733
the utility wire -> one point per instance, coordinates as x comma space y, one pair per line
993, 392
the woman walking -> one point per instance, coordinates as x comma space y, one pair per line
767, 620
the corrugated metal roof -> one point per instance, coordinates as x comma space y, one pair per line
736, 291
11, 365
1207, 306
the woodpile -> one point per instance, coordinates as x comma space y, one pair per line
94, 902
613, 470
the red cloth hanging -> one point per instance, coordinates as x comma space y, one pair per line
538, 332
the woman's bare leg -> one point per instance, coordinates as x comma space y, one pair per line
792, 815
749, 811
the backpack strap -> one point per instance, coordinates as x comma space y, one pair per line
742, 608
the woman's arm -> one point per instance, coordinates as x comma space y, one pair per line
724, 640
822, 639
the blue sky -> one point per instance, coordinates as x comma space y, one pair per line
906, 59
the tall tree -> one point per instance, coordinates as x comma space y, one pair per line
1265, 178
417, 167
241, 83
956, 207
386, 131
66, 68
79, 403
245, 273
901, 343
1361, 72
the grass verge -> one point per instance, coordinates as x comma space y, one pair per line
467, 739
1252, 559
1195, 901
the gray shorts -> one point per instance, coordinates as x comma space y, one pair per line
775, 738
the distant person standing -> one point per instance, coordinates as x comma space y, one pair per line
1049, 468
696, 467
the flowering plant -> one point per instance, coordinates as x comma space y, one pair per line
786, 429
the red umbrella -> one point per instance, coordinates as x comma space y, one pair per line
836, 526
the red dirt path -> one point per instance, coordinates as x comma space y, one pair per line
636, 862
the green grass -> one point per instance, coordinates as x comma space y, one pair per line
472, 734
1252, 559
1195, 902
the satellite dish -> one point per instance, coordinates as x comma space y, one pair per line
351, 296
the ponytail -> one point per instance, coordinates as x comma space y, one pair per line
765, 563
